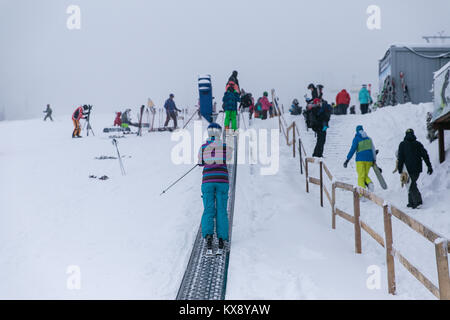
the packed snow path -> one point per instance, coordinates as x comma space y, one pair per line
205, 277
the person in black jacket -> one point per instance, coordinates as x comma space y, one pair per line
320, 115
410, 154
234, 78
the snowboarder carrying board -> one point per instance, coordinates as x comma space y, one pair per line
365, 157
213, 156
410, 154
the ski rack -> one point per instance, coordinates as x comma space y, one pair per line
205, 277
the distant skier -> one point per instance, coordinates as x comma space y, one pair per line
118, 120
410, 154
48, 113
314, 93
230, 105
247, 102
233, 82
320, 91
342, 102
295, 108
320, 112
77, 115
171, 109
265, 104
365, 157
364, 99
213, 156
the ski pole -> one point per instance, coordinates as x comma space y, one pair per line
196, 111
164, 191
114, 142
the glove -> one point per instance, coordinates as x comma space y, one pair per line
430, 170
404, 178
345, 163
324, 128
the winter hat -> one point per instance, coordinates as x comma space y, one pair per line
359, 128
172, 95
311, 86
265, 94
214, 130
410, 131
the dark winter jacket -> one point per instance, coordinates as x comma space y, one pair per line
234, 78
230, 101
170, 105
246, 101
411, 153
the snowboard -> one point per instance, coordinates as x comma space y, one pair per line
380, 177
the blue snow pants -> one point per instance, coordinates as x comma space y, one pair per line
215, 202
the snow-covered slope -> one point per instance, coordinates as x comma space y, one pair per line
387, 128
128, 241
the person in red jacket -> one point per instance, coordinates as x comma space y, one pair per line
118, 120
76, 117
265, 105
342, 102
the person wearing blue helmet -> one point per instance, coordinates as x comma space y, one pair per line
213, 156
365, 157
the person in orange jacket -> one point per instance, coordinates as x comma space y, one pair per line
77, 115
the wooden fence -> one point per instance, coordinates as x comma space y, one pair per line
442, 244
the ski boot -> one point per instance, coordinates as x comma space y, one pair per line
209, 245
221, 247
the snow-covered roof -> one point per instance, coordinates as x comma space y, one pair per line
422, 45
441, 70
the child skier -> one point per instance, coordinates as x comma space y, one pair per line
365, 157
230, 104
212, 157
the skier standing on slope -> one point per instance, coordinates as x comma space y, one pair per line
230, 104
314, 94
171, 109
48, 113
365, 157
233, 81
265, 104
77, 115
246, 102
342, 101
213, 157
410, 154
320, 115
364, 99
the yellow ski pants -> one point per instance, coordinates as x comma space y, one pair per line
363, 168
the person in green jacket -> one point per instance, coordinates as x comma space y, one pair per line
230, 105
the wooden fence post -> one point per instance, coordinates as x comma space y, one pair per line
321, 184
306, 175
356, 211
442, 268
333, 206
300, 155
389, 250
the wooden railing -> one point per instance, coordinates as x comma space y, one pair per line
442, 244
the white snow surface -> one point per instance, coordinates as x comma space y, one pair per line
131, 243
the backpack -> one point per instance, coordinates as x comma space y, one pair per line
258, 105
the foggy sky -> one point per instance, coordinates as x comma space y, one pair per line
128, 51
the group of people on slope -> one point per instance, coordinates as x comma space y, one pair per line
343, 100
236, 99
410, 154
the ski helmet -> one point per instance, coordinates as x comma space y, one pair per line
172, 95
265, 94
214, 130
85, 107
